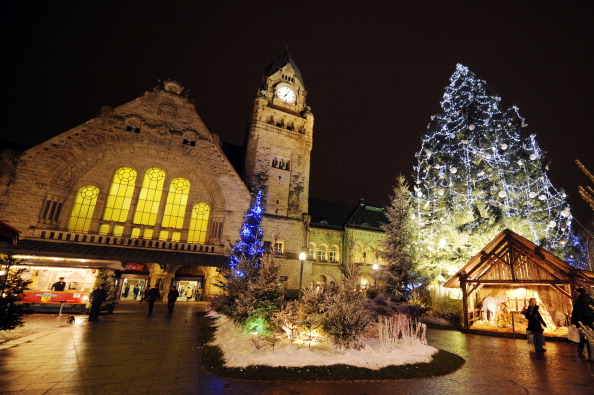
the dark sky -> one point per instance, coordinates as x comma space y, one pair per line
375, 72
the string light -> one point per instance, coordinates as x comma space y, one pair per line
478, 174
250, 245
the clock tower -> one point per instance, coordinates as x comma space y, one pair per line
279, 140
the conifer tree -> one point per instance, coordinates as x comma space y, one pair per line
478, 173
397, 248
251, 290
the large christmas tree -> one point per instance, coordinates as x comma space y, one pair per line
478, 173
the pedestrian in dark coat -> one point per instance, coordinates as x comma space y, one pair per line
59, 285
582, 312
97, 297
535, 324
136, 290
152, 295
171, 298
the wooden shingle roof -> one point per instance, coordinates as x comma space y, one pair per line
511, 258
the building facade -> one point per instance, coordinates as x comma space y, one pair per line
148, 193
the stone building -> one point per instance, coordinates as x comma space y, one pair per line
147, 192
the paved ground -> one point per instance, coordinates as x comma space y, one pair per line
130, 352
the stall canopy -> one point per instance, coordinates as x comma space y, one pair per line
511, 261
8, 234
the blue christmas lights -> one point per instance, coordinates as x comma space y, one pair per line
250, 245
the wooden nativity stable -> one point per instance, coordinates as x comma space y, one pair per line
499, 281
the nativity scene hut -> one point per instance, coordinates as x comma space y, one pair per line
499, 281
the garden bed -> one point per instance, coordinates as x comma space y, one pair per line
439, 363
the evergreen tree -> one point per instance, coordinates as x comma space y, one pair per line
12, 285
397, 250
478, 174
251, 291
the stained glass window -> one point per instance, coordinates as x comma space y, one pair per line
120, 195
149, 198
175, 207
83, 209
199, 223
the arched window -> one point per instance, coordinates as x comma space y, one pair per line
149, 199
177, 200
199, 223
83, 209
120, 195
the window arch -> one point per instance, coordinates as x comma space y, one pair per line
199, 223
149, 199
121, 190
83, 209
177, 200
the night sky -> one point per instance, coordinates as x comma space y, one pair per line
375, 72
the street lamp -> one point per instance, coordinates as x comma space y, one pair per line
375, 267
302, 257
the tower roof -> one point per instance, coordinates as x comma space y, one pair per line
281, 61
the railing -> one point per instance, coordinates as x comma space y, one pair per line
87, 238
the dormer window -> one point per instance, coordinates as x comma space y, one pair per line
189, 138
133, 125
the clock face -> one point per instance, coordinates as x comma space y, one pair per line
286, 94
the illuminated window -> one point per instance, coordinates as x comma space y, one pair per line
120, 195
175, 207
135, 233
148, 234
164, 235
175, 236
279, 247
199, 223
149, 198
104, 229
118, 230
332, 256
83, 209
320, 255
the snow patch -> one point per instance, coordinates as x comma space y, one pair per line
239, 350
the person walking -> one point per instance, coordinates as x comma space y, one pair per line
189, 294
582, 312
126, 291
535, 323
171, 298
199, 294
97, 297
136, 290
152, 295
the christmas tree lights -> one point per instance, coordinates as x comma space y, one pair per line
250, 246
477, 174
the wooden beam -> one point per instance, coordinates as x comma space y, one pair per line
464, 301
532, 282
561, 290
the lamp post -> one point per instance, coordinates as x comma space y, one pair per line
375, 267
302, 257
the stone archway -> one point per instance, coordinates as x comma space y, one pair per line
190, 282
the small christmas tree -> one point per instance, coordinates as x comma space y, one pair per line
251, 288
478, 174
